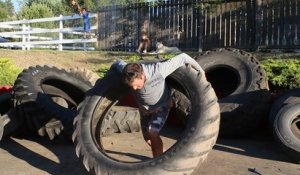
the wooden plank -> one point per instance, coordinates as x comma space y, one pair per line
270, 23
172, 23
194, 28
209, 28
289, 21
277, 23
40, 20
66, 41
200, 30
272, 32
164, 11
264, 20
189, 30
282, 25
243, 26
185, 24
222, 25
293, 22
297, 29
232, 25
214, 40
219, 25
238, 24
227, 25
156, 23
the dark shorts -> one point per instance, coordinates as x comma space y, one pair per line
154, 122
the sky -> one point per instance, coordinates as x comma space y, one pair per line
16, 5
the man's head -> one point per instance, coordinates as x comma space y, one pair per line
133, 75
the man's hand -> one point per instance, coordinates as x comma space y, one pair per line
52, 128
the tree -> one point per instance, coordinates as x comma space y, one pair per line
37, 10
3, 14
6, 10
9, 7
56, 6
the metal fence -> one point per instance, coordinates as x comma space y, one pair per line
193, 25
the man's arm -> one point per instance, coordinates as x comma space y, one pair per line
169, 66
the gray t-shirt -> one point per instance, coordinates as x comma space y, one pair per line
155, 92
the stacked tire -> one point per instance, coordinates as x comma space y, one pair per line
284, 120
6, 112
242, 89
45, 100
183, 157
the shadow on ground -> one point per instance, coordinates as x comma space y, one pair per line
262, 146
68, 163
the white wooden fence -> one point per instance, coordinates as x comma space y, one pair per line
22, 35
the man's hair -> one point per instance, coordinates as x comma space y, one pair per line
132, 71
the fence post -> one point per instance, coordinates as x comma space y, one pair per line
23, 36
97, 33
61, 27
258, 23
28, 37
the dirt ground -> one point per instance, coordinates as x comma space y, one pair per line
255, 155
39, 156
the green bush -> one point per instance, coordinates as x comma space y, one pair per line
103, 70
132, 58
8, 72
283, 73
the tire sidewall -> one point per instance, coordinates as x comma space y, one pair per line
282, 127
196, 130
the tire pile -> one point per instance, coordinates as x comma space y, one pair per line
245, 101
44, 101
232, 100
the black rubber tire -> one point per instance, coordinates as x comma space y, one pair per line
5, 107
286, 129
5, 102
182, 106
121, 119
33, 90
183, 157
241, 86
287, 97
9, 123
85, 74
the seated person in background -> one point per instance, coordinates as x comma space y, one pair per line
145, 44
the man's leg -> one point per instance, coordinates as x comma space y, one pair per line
155, 125
155, 143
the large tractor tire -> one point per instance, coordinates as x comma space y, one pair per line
286, 129
290, 96
183, 157
47, 97
284, 120
241, 86
6, 113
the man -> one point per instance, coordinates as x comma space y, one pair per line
153, 94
